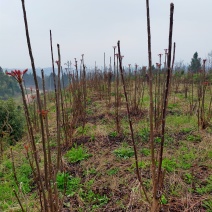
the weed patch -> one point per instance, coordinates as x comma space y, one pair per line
124, 152
76, 154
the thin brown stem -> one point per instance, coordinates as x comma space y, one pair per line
130, 123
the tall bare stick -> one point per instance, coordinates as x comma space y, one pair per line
130, 122
151, 109
38, 99
166, 92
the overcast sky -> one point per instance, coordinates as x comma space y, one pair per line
92, 27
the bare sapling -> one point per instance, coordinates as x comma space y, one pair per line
168, 78
151, 113
58, 109
49, 204
130, 124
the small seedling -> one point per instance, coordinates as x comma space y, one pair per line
163, 200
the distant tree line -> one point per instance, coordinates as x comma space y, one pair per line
49, 81
8, 86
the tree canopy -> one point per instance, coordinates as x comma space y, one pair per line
8, 86
195, 65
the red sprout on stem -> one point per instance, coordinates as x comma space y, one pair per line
17, 74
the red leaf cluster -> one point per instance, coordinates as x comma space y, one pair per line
17, 74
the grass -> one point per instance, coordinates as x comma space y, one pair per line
124, 152
76, 154
100, 172
7, 182
68, 183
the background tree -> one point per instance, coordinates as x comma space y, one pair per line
11, 120
195, 63
8, 86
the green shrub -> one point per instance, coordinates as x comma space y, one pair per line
11, 120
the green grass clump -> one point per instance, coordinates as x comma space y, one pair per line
124, 152
145, 151
207, 188
24, 173
76, 154
144, 134
92, 199
208, 205
7, 182
113, 171
141, 165
83, 130
196, 138
70, 184
169, 164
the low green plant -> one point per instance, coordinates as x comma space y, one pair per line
196, 138
70, 184
89, 101
157, 140
145, 151
24, 173
113, 134
186, 159
210, 154
94, 199
187, 130
89, 111
92, 138
89, 184
76, 154
124, 152
113, 171
172, 106
169, 165
144, 134
90, 171
188, 178
141, 165
205, 189
163, 200
207, 204
175, 189
8, 183
83, 130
